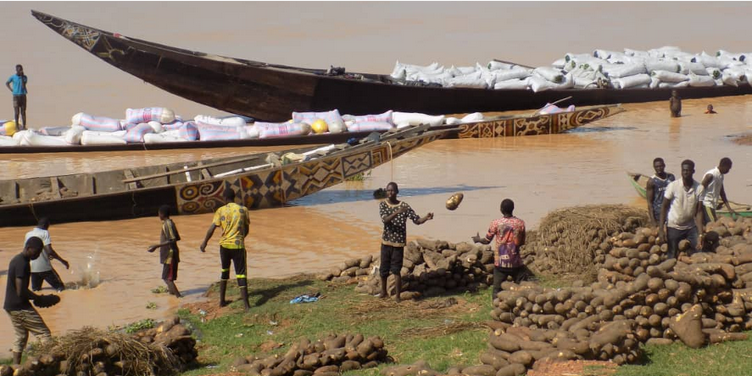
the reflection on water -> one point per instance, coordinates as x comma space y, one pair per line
539, 173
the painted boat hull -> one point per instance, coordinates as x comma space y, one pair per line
109, 196
272, 92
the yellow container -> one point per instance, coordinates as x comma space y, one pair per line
320, 126
10, 128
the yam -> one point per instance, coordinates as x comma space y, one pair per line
521, 357
688, 326
512, 370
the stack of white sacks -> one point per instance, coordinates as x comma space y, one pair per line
161, 125
665, 67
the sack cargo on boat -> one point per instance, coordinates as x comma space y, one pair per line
666, 76
685, 67
729, 78
559, 63
97, 123
136, 134
466, 81
494, 65
514, 84
73, 136
332, 118
32, 138
624, 70
156, 126
554, 109
8, 128
145, 115
54, 131
175, 125
233, 121
414, 118
102, 138
278, 130
366, 126
631, 81
400, 70
700, 81
386, 117
673, 85
661, 65
738, 73
161, 138
7, 141
472, 118
542, 84
516, 73
714, 72
551, 74
208, 132
709, 61
189, 131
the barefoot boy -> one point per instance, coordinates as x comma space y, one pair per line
169, 254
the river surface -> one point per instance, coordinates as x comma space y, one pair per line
539, 173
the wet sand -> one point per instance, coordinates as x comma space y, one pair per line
541, 173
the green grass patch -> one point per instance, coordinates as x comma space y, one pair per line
728, 359
443, 336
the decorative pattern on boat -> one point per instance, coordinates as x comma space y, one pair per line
78, 34
276, 187
535, 125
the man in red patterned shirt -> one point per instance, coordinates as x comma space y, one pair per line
509, 232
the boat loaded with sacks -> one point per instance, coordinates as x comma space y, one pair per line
118, 136
271, 92
640, 181
261, 181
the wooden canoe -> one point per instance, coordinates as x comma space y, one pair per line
272, 92
260, 181
640, 181
500, 126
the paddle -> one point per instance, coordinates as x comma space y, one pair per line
509, 62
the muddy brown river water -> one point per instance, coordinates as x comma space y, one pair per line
540, 173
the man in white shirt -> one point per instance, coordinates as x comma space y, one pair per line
712, 183
683, 208
41, 268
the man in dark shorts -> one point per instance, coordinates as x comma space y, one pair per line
394, 214
19, 91
656, 188
233, 219
24, 317
509, 232
41, 267
169, 253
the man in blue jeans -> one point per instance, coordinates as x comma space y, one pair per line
683, 209
19, 81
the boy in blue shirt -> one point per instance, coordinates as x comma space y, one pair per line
19, 94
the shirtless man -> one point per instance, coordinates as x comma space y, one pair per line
675, 104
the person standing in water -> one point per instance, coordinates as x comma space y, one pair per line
656, 189
19, 91
710, 110
675, 104
394, 214
169, 253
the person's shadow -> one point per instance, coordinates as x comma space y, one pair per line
269, 293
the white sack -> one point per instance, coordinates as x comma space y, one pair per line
631, 81
515, 84
551, 74
414, 118
666, 76
73, 135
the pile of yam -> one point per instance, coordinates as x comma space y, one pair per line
328, 356
164, 350
571, 240
430, 268
640, 297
